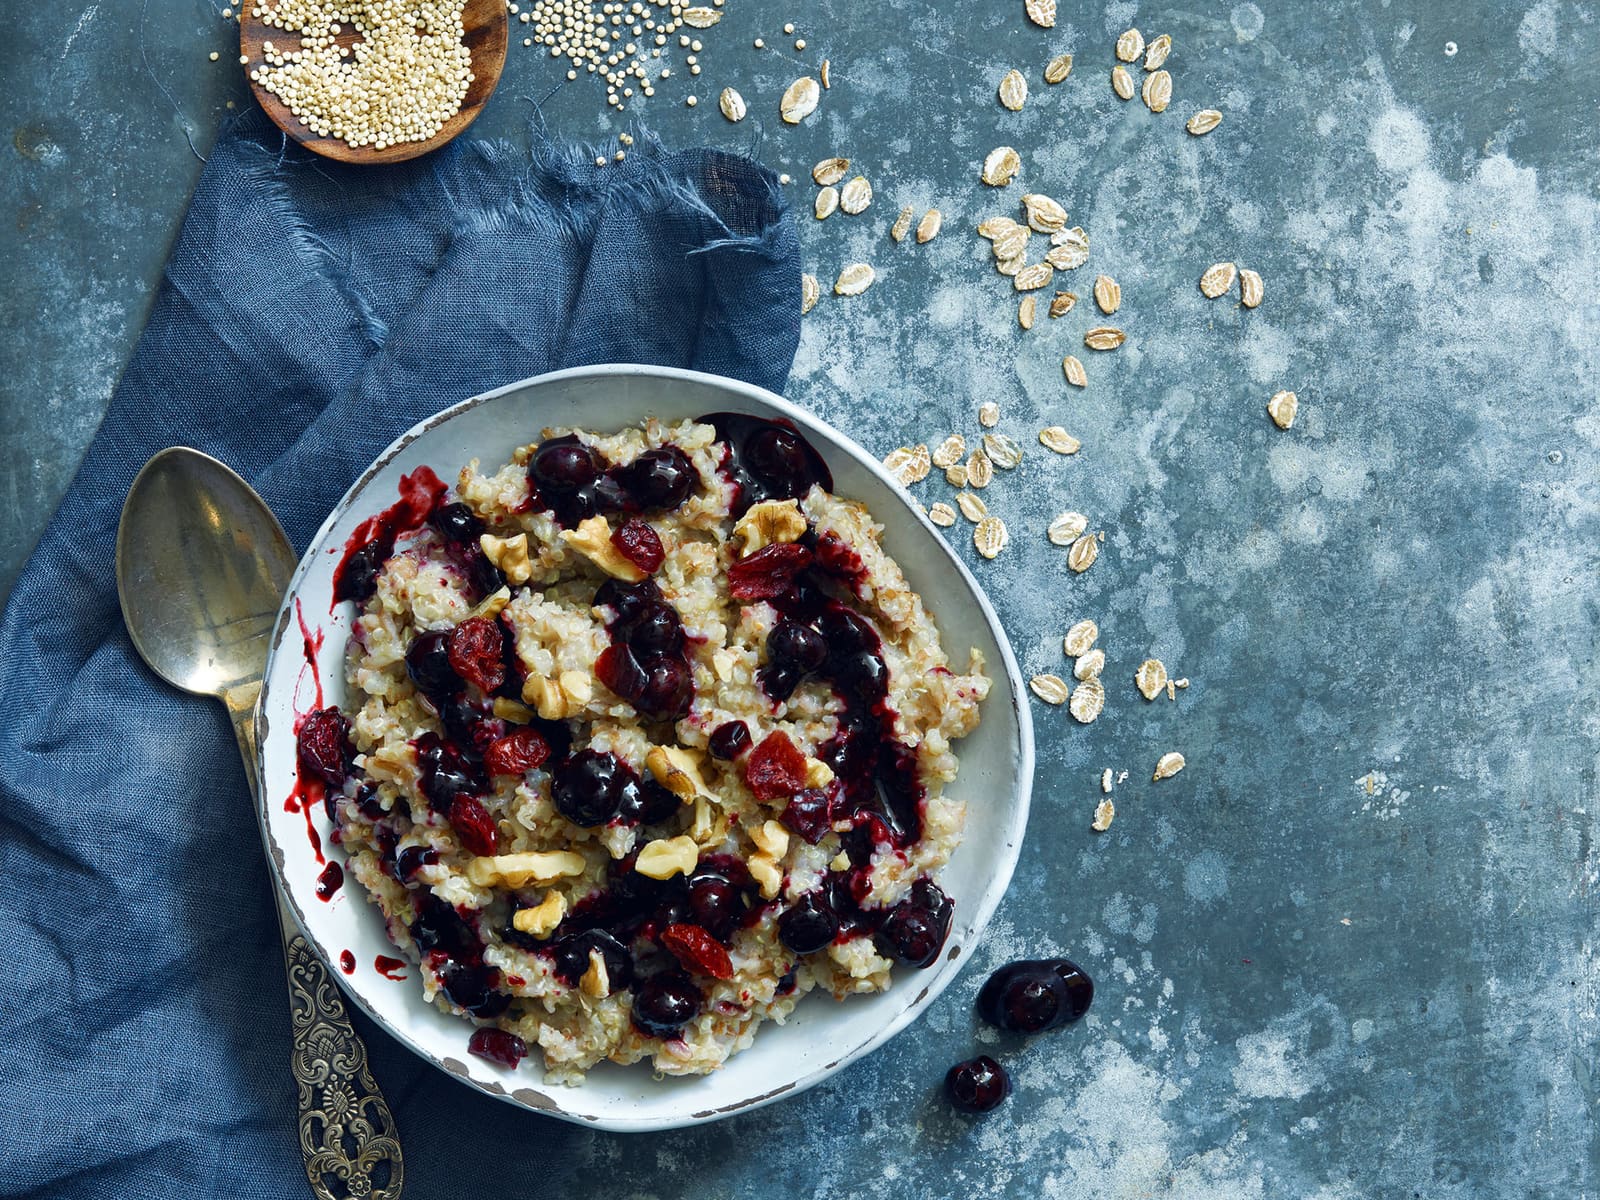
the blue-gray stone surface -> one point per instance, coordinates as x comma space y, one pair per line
1350, 951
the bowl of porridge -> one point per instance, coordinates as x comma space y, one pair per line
634, 749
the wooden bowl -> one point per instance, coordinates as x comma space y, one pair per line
486, 24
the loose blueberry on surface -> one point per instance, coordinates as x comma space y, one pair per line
659, 479
587, 788
456, 523
1030, 996
977, 1085
1080, 988
729, 740
664, 1004
571, 956
428, 665
497, 1046
809, 925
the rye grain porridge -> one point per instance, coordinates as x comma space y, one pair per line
650, 738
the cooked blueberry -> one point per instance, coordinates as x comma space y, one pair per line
571, 956
977, 1085
809, 925
661, 478
664, 1004
668, 691
472, 986
779, 680
485, 577
1030, 996
618, 668
628, 601
863, 672
412, 859
358, 574
797, 645
456, 523
777, 456
564, 465
647, 802
810, 814
587, 788
911, 935
716, 904
428, 665
656, 630
729, 740
1080, 988
439, 927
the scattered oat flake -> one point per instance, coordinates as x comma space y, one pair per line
1063, 531
1003, 451
830, 170
1001, 166
1053, 437
1104, 813
700, 18
1122, 82
1172, 690
1157, 91
909, 464
1218, 278
855, 195
1033, 277
827, 203
941, 513
1151, 678
1105, 781
1203, 122
1282, 409
854, 279
988, 414
1058, 68
980, 471
1130, 45
1251, 289
950, 451
902, 225
1168, 765
1041, 12
1011, 267
990, 536
956, 475
1081, 637
1090, 665
1155, 54
1104, 337
1107, 294
800, 100
1052, 689
1083, 553
1013, 90
1025, 311
823, 71
972, 506
1069, 249
1044, 215
928, 228
1062, 303
1013, 243
993, 227
810, 293
1088, 698
732, 104
1072, 367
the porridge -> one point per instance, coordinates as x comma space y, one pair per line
648, 738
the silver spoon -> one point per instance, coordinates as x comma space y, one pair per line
202, 566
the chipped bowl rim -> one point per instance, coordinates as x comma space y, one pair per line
275, 747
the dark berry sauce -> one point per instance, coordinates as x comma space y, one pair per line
366, 550
766, 460
390, 968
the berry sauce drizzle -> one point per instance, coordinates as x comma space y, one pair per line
390, 968
366, 550
330, 881
347, 962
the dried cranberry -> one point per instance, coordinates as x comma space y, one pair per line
776, 768
797, 645
587, 788
809, 925
729, 740
497, 1046
809, 814
977, 1085
637, 542
668, 690
618, 668
768, 572
323, 745
428, 665
660, 478
571, 956
456, 523
564, 465
474, 826
520, 750
477, 652
664, 1004
697, 950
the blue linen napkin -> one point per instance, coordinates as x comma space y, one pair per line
308, 314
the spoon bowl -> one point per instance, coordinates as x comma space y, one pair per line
202, 565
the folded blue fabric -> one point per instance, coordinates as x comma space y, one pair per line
309, 313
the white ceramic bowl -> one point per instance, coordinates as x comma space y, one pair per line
822, 1035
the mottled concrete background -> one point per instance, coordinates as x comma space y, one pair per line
1308, 987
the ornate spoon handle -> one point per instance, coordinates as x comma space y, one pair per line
347, 1133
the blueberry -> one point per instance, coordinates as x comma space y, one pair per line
977, 1085
661, 478
571, 956
797, 645
456, 523
428, 665
664, 1004
809, 925
564, 465
587, 788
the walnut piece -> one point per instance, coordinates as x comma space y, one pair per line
768, 523
592, 539
509, 554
